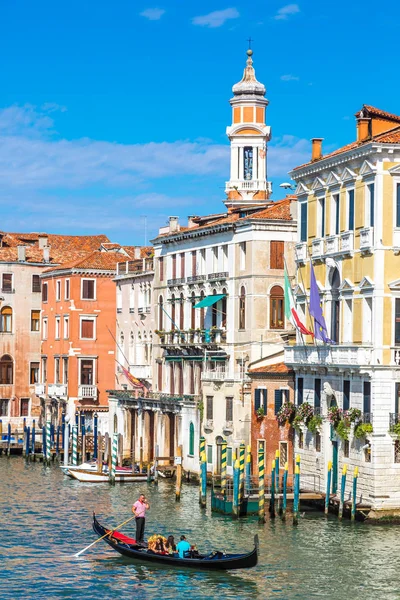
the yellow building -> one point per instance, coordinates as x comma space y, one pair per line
349, 228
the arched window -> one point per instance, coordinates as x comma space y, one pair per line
193, 311
242, 308
223, 310
191, 439
214, 313
173, 312
181, 313
277, 312
202, 311
6, 370
6, 319
160, 313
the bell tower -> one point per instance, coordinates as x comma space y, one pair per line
248, 136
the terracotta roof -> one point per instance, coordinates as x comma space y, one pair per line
372, 110
97, 260
277, 368
278, 211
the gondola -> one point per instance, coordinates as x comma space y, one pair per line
215, 561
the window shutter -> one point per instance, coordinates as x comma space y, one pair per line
351, 209
398, 205
161, 268
264, 403
273, 255
278, 400
303, 224
87, 329
194, 263
257, 399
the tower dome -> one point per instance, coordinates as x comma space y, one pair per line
249, 84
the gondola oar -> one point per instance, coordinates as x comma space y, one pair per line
103, 536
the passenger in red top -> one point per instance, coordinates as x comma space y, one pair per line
139, 510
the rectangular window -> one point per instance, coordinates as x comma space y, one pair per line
36, 287
300, 390
336, 204
182, 265
397, 451
58, 290
210, 455
44, 292
24, 409
276, 254
214, 254
194, 263
161, 268
317, 441
303, 221
224, 258
67, 290
242, 251
88, 291
371, 205
367, 398
66, 327
348, 321
397, 322
56, 369
87, 372
173, 266
4, 407
229, 457
260, 400
350, 206
346, 394
44, 328
229, 408
278, 401
58, 328
7, 280
44, 370
209, 407
346, 448
301, 439
321, 217
87, 329
398, 205
65, 370
34, 373
317, 393
35, 320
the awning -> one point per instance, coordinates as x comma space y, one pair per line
209, 300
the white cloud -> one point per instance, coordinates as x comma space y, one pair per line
289, 77
286, 153
286, 11
153, 14
216, 18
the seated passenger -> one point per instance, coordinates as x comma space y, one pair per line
170, 546
159, 546
183, 547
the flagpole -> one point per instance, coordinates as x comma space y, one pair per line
305, 293
301, 333
118, 346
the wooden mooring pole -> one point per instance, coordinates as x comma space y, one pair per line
179, 453
342, 490
284, 491
9, 439
354, 498
248, 471
272, 499
296, 495
203, 481
236, 490
277, 484
328, 487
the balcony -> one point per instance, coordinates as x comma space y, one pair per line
340, 355
301, 252
40, 389
218, 276
165, 396
366, 239
131, 311
7, 290
394, 419
144, 310
192, 337
140, 371
87, 391
176, 281
135, 266
196, 278
318, 248
56, 390
347, 242
224, 375
208, 425
228, 427
396, 356
251, 184
332, 244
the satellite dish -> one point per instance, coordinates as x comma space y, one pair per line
286, 186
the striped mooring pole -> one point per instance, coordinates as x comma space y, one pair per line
296, 495
44, 443
272, 499
202, 450
48, 442
242, 451
328, 486
114, 454
75, 444
236, 490
58, 441
342, 490
95, 434
277, 482
261, 485
248, 471
223, 468
203, 481
354, 499
77, 418
66, 440
284, 491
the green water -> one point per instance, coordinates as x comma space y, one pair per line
45, 518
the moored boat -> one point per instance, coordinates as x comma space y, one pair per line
215, 561
89, 476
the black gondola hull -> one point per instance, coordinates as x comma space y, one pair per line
226, 562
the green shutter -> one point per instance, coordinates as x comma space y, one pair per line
278, 400
191, 439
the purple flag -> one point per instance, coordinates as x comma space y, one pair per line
320, 331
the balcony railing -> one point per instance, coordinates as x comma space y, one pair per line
317, 248
208, 425
40, 389
332, 244
87, 391
301, 252
366, 418
228, 427
173, 397
196, 278
329, 355
396, 356
224, 375
7, 290
252, 184
193, 337
347, 242
176, 281
394, 419
144, 310
56, 389
366, 238
218, 276
139, 265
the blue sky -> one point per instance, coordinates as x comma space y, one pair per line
110, 111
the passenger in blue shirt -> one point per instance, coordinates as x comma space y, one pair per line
183, 547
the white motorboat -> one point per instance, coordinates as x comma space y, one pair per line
91, 465
121, 476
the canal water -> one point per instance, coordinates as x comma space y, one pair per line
45, 519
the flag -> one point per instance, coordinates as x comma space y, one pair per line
291, 313
135, 382
320, 330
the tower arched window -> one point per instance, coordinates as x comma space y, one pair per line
277, 309
160, 313
6, 370
248, 162
242, 308
6, 319
191, 439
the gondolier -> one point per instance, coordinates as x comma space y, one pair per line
139, 510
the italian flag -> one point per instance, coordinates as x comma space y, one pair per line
290, 309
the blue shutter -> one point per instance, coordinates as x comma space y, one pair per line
398, 205
351, 209
367, 397
323, 217
257, 399
264, 403
300, 387
278, 400
317, 393
303, 223
372, 204
337, 224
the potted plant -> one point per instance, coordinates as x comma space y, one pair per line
334, 415
314, 424
353, 414
361, 430
306, 412
395, 430
286, 413
260, 412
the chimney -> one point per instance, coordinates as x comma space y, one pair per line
21, 253
173, 224
190, 220
46, 254
43, 239
363, 129
316, 149
137, 252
